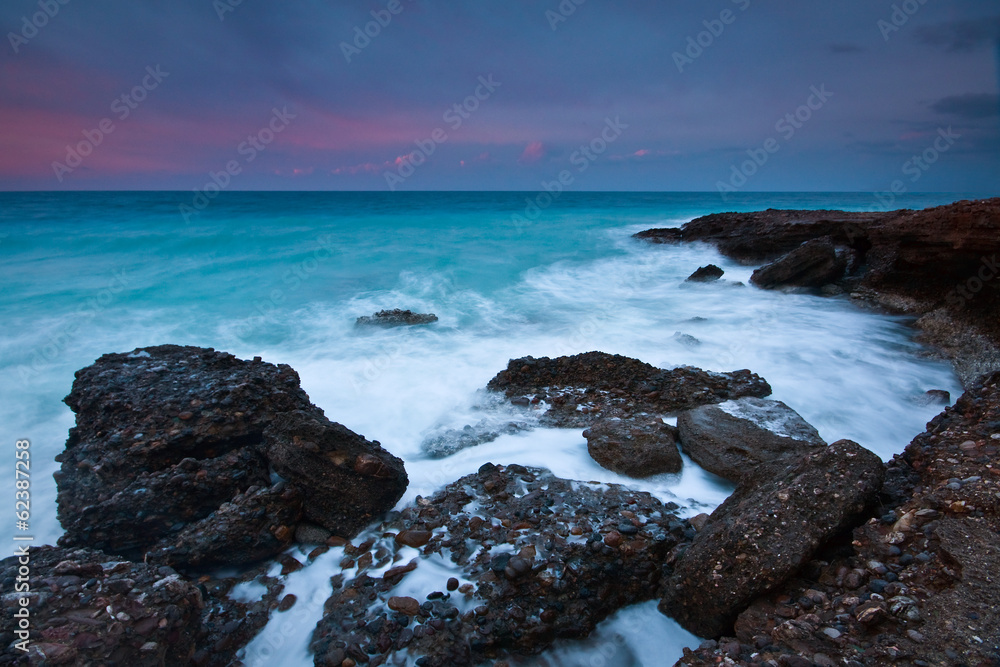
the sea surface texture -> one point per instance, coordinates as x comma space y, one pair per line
285, 275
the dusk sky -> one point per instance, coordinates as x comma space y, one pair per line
294, 96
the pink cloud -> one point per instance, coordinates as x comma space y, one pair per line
534, 152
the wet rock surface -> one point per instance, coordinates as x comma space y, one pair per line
917, 584
580, 389
395, 318
169, 457
813, 264
541, 558
773, 524
634, 448
455, 440
732, 438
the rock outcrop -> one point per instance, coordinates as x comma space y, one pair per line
396, 318
941, 263
772, 525
639, 448
917, 586
582, 388
732, 438
172, 453
541, 558
815, 263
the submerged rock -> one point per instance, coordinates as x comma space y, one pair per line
169, 457
396, 318
706, 274
770, 527
455, 440
542, 557
636, 448
732, 438
582, 388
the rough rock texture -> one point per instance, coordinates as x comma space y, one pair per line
943, 259
581, 388
770, 527
813, 264
637, 449
734, 437
396, 318
89, 608
918, 584
347, 480
454, 440
542, 558
706, 274
169, 456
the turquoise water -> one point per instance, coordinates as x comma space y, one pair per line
283, 275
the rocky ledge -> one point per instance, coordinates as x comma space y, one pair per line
941, 265
916, 584
395, 318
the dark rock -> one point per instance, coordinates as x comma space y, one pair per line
687, 340
584, 387
138, 617
347, 481
766, 531
634, 448
486, 430
396, 318
706, 274
731, 438
541, 584
169, 456
813, 264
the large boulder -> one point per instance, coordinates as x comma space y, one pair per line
169, 456
731, 438
770, 527
813, 264
395, 318
581, 388
534, 558
638, 449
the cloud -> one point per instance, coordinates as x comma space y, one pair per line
534, 152
958, 36
969, 105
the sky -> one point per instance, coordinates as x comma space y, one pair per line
664, 95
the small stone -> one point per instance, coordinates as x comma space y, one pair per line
452, 584
287, 602
832, 633
413, 538
915, 636
404, 605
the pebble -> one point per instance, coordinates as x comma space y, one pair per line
995, 436
452, 584
287, 602
832, 633
405, 605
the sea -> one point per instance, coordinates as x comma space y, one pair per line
284, 276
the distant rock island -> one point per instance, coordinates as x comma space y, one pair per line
395, 318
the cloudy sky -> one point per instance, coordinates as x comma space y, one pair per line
651, 95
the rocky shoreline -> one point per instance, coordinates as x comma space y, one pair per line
186, 459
